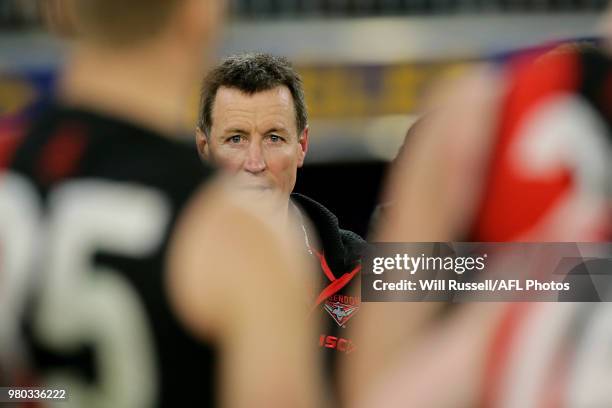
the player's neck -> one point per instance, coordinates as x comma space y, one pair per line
138, 86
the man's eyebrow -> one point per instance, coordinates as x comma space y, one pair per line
235, 130
277, 129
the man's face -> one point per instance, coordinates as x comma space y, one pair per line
255, 138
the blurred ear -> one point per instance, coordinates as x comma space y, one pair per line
202, 144
303, 146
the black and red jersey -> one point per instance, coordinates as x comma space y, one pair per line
549, 169
89, 203
550, 180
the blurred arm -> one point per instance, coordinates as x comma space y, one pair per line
445, 368
435, 188
233, 279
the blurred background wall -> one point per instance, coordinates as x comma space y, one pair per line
366, 64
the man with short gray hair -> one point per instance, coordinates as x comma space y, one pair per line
253, 122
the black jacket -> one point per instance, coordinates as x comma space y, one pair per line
343, 249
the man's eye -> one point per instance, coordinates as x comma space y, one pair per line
235, 139
276, 138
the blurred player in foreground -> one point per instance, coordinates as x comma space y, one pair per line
518, 155
140, 280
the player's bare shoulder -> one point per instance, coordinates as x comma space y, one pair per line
444, 160
224, 243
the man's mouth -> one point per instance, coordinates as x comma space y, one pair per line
254, 187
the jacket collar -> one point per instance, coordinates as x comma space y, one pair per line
328, 230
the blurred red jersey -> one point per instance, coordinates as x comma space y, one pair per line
550, 180
549, 172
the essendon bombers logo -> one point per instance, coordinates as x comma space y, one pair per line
342, 308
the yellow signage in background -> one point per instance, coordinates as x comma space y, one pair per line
365, 91
362, 91
15, 95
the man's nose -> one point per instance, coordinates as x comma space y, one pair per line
255, 162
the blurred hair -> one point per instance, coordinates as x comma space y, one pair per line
122, 22
252, 73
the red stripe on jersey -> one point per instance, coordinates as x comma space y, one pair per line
499, 352
11, 134
62, 153
513, 203
336, 286
324, 266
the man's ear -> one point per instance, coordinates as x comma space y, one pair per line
303, 143
202, 144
